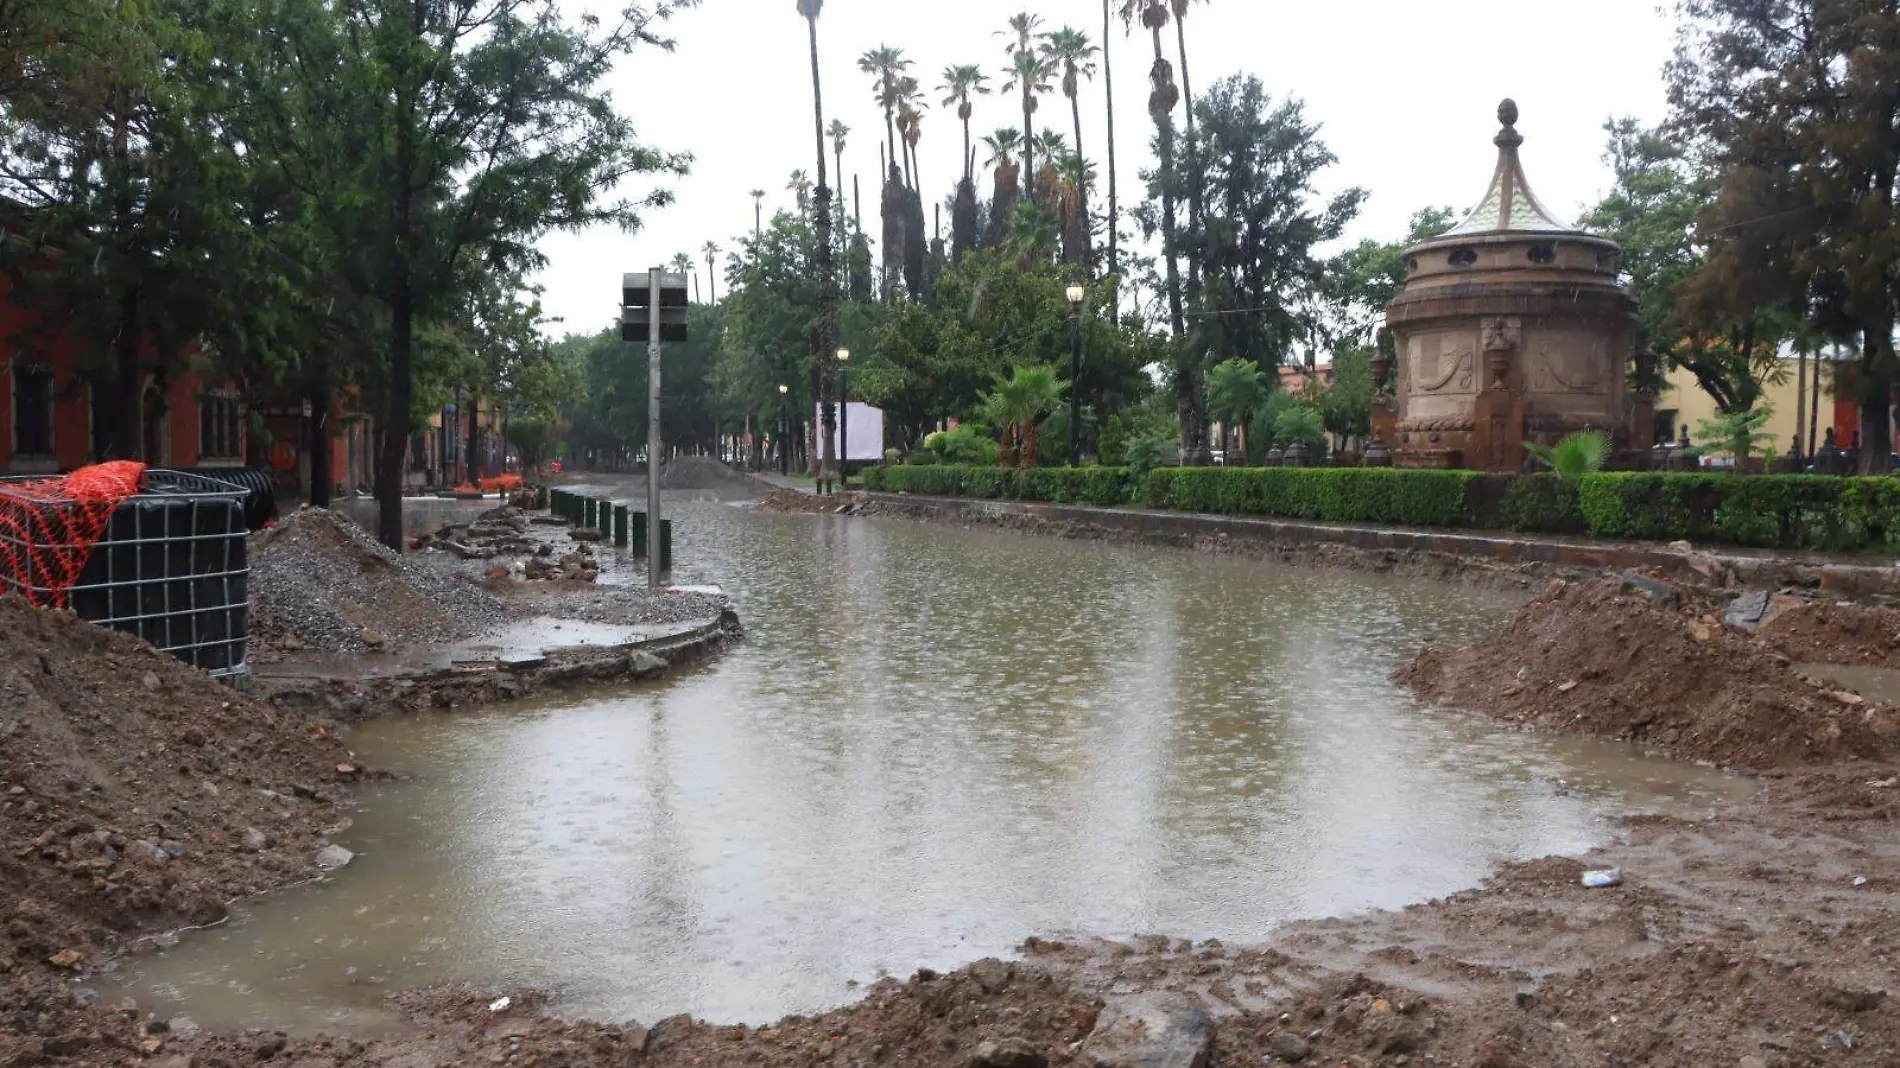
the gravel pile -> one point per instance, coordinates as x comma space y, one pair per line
319, 581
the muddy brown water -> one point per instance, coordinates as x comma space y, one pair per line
933, 743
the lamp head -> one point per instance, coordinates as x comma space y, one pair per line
1076, 293
784, 389
844, 355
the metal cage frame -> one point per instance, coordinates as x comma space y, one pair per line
171, 568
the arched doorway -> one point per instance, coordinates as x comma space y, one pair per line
152, 421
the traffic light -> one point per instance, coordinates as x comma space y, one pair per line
635, 310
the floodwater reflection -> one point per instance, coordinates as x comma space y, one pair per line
933, 743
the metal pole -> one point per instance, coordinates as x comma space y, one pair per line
844, 423
1075, 385
653, 427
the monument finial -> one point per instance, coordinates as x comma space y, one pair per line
1507, 112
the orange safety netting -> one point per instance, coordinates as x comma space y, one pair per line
48, 526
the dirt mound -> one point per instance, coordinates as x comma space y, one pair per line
794, 502
137, 795
703, 473
1644, 662
1829, 632
319, 581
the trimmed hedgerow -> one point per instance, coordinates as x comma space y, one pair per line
1769, 511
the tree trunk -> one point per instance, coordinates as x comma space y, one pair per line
1082, 188
402, 322
474, 467
1029, 147
1031, 450
1876, 412
1114, 221
1800, 395
827, 293
131, 436
1814, 405
1195, 213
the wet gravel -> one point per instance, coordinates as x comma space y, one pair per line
321, 582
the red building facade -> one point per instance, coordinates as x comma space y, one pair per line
53, 419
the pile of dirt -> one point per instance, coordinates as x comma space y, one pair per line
137, 795
319, 581
1638, 660
794, 502
1833, 632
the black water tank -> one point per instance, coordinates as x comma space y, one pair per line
260, 489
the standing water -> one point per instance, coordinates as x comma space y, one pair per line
933, 743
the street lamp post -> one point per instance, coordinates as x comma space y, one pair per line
784, 457
844, 418
1076, 293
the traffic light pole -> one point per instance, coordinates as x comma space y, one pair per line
654, 555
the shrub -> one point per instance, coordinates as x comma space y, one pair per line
1541, 503
1144, 455
967, 444
1113, 442
1334, 494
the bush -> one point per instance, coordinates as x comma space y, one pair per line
1783, 511
1333, 494
1541, 503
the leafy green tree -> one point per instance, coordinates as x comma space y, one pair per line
1346, 404
1793, 104
1737, 434
1361, 281
442, 138
1235, 387
1302, 424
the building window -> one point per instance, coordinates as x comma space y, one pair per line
32, 409
218, 427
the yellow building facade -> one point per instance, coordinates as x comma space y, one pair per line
1684, 402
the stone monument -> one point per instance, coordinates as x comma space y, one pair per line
1511, 327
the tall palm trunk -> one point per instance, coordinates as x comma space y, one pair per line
1029, 144
1081, 185
1195, 211
1114, 205
827, 294
712, 281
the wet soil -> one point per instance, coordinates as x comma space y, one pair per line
136, 796
1833, 632
797, 502
1643, 661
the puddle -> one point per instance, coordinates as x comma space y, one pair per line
933, 744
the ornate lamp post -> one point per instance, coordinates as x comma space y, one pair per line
784, 457
844, 418
1076, 293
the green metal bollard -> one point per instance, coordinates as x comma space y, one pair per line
666, 544
588, 517
620, 526
605, 514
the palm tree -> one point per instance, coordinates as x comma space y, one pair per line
887, 65
1024, 25
800, 185
758, 213
712, 276
1029, 74
1018, 403
826, 328
910, 119
1195, 214
1114, 203
838, 132
683, 265
1002, 146
1070, 51
960, 85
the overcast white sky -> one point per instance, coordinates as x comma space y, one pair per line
1406, 93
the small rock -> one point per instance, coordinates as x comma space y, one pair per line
269, 1046
1747, 610
149, 680
255, 841
1162, 1030
1603, 878
1007, 1054
644, 665
66, 958
332, 857
1751, 1061
1844, 1039
173, 849
145, 851
346, 769
1566, 687
1290, 1048
1860, 881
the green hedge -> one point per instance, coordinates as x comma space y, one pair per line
1103, 486
1336, 494
1768, 511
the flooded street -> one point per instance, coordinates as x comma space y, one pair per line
933, 744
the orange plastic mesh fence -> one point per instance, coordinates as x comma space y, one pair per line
49, 526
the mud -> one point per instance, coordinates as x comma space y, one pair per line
1643, 661
797, 502
137, 796
1833, 632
